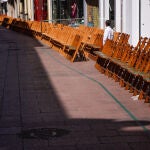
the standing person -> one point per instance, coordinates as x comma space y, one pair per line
108, 33
73, 11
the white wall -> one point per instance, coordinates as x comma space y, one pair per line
12, 11
127, 18
135, 22
129, 22
118, 20
145, 18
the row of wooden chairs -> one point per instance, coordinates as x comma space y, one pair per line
62, 38
1, 19
6, 21
73, 43
70, 42
128, 65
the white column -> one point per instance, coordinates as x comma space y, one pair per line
102, 14
127, 18
18, 8
21, 9
26, 9
135, 22
106, 3
10, 10
118, 16
49, 5
85, 12
15, 10
29, 10
32, 9
145, 18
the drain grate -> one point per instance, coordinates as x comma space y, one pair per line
43, 133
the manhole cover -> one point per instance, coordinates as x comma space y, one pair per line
43, 133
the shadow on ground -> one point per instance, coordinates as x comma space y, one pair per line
30, 105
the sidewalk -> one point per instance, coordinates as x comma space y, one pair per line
48, 103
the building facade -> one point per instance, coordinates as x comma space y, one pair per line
128, 16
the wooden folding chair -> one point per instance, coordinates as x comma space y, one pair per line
71, 49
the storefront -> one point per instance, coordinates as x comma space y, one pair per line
67, 11
3, 6
40, 10
128, 16
92, 13
98, 11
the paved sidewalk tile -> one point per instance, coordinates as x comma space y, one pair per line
49, 103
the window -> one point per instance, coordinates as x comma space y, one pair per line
62, 11
93, 13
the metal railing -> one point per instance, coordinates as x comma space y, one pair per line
75, 22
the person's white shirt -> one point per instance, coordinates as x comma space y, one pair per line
108, 34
